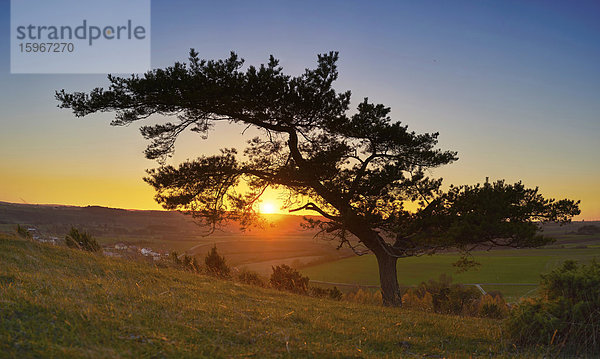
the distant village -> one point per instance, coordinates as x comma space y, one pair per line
119, 250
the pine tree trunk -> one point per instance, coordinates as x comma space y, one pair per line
388, 280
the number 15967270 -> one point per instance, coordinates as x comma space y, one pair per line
46, 47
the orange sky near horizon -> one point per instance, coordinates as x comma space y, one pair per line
88, 172
133, 193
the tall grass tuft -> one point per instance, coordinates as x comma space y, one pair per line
364, 297
81, 240
492, 306
23, 232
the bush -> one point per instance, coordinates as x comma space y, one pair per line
186, 262
174, 257
23, 232
461, 300
333, 293
566, 316
411, 300
448, 298
216, 264
443, 297
364, 297
190, 263
248, 277
491, 306
81, 240
287, 278
318, 292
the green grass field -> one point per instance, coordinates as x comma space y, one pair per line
58, 302
498, 266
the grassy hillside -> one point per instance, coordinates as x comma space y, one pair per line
58, 302
498, 266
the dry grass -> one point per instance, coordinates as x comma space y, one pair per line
58, 302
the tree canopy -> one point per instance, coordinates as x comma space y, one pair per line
357, 170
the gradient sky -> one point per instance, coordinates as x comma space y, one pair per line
513, 86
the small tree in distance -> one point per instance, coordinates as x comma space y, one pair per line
357, 171
216, 264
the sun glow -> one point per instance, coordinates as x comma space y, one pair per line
268, 208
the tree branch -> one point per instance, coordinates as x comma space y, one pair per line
313, 207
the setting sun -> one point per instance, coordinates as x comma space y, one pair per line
268, 208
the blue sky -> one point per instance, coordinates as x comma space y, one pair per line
513, 86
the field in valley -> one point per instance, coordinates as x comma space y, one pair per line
520, 267
281, 241
259, 254
512, 269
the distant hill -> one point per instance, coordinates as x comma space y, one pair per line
115, 222
280, 240
110, 222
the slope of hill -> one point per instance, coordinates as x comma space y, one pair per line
58, 302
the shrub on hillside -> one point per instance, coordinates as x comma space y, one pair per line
216, 264
492, 306
566, 316
174, 257
23, 232
190, 263
249, 277
442, 296
287, 278
363, 297
318, 292
449, 298
186, 262
81, 240
412, 300
335, 293
332, 293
